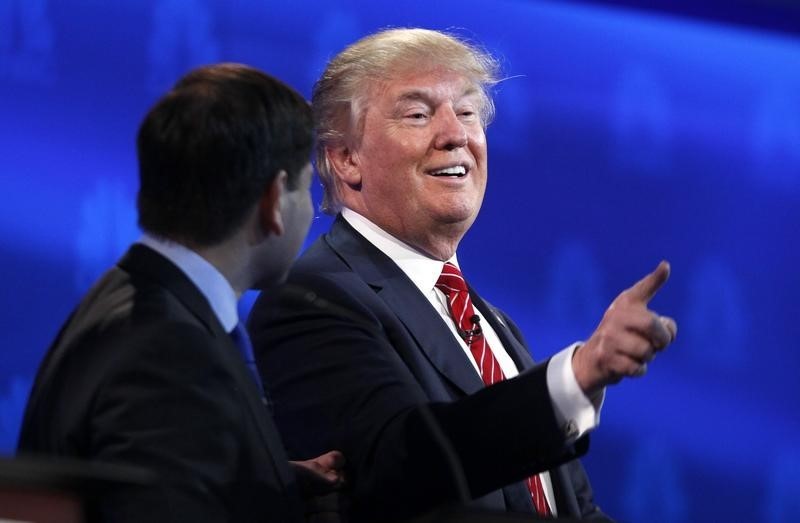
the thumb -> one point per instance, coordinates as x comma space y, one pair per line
331, 460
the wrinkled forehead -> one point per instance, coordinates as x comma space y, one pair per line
404, 80
431, 84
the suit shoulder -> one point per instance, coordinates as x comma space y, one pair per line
320, 257
333, 290
120, 297
125, 317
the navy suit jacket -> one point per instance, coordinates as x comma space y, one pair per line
142, 373
356, 358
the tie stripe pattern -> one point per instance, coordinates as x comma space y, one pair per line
451, 282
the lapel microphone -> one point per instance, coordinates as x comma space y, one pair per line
469, 335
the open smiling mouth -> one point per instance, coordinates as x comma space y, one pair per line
456, 171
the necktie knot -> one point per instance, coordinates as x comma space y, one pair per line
451, 281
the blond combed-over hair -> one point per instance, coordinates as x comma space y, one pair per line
339, 96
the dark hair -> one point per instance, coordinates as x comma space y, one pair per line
211, 145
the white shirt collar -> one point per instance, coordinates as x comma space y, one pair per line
422, 270
208, 280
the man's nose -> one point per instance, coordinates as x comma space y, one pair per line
450, 133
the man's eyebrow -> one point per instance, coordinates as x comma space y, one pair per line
470, 91
415, 96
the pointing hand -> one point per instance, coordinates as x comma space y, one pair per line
627, 338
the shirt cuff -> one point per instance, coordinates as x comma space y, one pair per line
575, 413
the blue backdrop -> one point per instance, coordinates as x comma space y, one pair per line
622, 137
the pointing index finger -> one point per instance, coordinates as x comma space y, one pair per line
644, 289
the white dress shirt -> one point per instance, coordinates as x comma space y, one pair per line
209, 281
575, 413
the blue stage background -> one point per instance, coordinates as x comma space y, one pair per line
622, 137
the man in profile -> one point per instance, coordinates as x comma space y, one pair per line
378, 346
153, 367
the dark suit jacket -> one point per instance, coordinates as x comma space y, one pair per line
142, 373
356, 358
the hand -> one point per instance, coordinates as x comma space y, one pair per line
628, 337
320, 475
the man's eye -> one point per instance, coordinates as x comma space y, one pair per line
417, 116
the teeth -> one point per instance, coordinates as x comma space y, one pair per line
456, 170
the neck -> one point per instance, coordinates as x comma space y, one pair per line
230, 259
440, 245
436, 240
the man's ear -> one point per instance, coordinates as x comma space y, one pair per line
345, 164
269, 206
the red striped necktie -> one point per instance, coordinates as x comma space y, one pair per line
451, 282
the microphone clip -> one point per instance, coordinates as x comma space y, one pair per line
470, 335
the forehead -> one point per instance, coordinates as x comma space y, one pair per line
429, 85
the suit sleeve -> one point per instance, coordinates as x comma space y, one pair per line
337, 381
168, 407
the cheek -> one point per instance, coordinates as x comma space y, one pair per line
301, 213
395, 154
305, 214
477, 140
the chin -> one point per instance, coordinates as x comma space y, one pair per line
464, 215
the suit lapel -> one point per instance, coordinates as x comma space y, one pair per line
518, 352
411, 307
431, 334
258, 407
142, 260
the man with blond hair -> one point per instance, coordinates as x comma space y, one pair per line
377, 345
